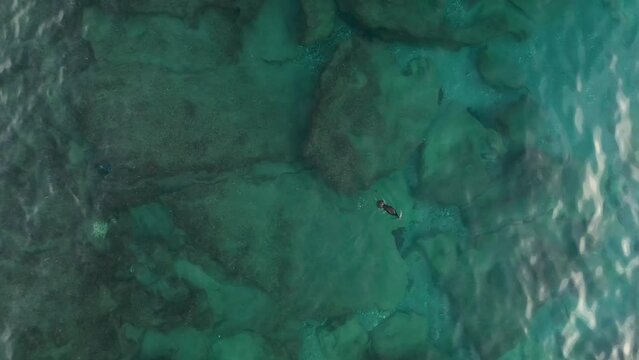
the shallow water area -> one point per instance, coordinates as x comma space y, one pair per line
200, 179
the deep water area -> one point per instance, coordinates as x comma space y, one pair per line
319, 179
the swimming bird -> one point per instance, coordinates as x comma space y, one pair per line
389, 209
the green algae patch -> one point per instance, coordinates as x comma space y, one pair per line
371, 113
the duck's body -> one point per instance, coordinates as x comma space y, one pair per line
389, 209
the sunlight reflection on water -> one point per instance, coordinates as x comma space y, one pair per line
563, 240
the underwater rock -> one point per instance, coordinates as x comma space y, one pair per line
187, 9
182, 343
347, 341
162, 284
152, 221
523, 236
442, 253
486, 20
151, 124
460, 158
370, 114
531, 186
129, 337
403, 336
272, 38
447, 22
148, 122
520, 262
528, 128
106, 304
160, 40
78, 57
475, 287
320, 19
424, 297
541, 11
313, 252
499, 69
402, 18
245, 346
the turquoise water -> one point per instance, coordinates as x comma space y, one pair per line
198, 179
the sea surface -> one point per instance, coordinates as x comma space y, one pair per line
319, 179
